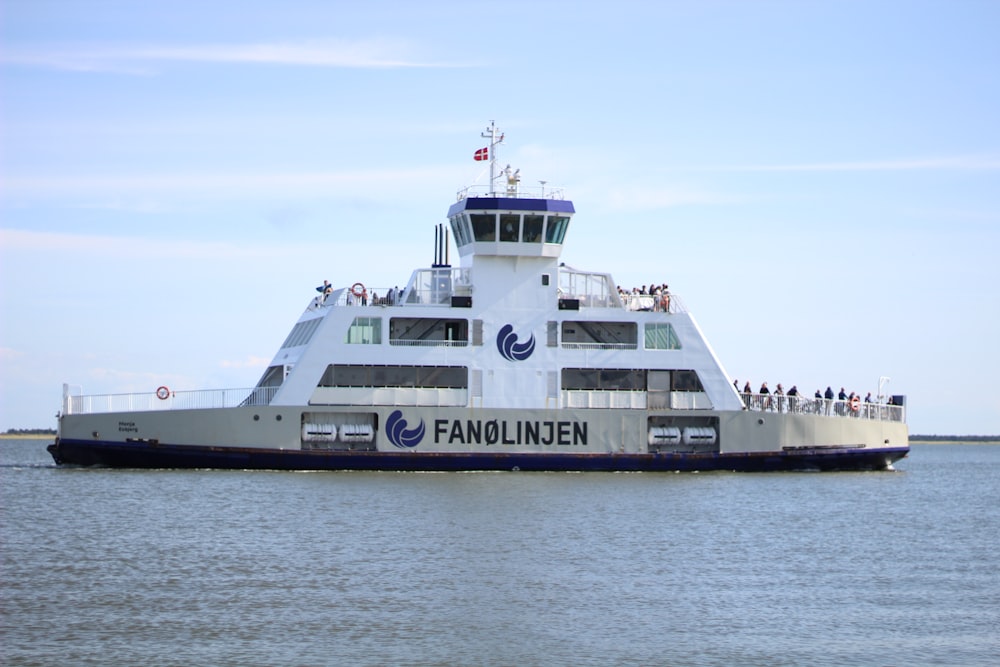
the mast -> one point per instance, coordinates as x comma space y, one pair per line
491, 134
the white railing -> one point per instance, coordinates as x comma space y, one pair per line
822, 406
164, 399
366, 296
407, 342
599, 346
660, 303
518, 192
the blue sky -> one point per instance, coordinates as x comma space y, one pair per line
818, 181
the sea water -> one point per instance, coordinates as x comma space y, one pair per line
164, 567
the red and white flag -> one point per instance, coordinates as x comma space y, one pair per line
482, 154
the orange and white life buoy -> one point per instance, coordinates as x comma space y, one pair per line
162, 393
855, 404
358, 290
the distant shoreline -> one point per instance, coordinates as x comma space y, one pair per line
968, 439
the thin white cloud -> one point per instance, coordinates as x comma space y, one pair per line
960, 163
367, 54
226, 183
102, 246
636, 198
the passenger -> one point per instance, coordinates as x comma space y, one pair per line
747, 391
819, 402
324, 289
842, 404
780, 393
793, 399
829, 400
868, 398
765, 398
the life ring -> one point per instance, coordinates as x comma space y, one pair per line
162, 393
358, 290
855, 404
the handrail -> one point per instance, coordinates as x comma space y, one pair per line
823, 406
200, 399
660, 303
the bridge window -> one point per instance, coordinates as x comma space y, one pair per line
484, 226
533, 228
556, 229
460, 230
510, 226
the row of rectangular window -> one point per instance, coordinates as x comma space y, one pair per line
602, 335
509, 228
457, 377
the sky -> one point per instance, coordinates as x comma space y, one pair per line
819, 182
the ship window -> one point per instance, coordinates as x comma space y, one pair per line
484, 226
685, 381
661, 336
433, 377
428, 331
510, 225
533, 228
459, 230
604, 379
599, 335
365, 330
302, 333
556, 229
273, 377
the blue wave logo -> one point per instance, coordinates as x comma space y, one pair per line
510, 349
399, 435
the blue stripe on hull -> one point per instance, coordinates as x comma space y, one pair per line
146, 455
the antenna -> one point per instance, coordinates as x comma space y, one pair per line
491, 134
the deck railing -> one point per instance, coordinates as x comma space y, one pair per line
660, 303
165, 399
822, 406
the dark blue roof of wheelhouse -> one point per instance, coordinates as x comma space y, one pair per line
511, 204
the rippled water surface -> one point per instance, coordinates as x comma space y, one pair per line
128, 567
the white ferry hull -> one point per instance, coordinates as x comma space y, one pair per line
458, 439
145, 455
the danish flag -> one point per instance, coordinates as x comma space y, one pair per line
482, 154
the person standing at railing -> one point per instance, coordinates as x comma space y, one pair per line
765, 397
793, 399
746, 395
829, 400
780, 397
842, 405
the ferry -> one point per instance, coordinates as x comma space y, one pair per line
510, 361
